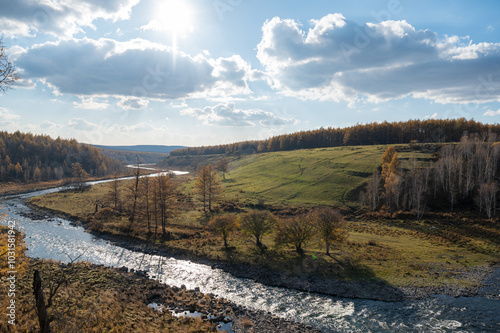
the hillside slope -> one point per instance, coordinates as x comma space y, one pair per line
323, 176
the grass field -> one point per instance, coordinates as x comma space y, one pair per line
312, 177
439, 250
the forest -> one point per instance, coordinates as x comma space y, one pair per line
432, 130
27, 157
464, 174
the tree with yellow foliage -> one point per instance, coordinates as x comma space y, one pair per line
392, 177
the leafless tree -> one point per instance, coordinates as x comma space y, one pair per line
134, 193
145, 199
114, 194
373, 190
207, 186
8, 72
223, 167
487, 198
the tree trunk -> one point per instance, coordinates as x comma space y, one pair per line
43, 317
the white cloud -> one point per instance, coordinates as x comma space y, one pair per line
341, 60
91, 103
182, 104
228, 115
492, 113
48, 125
135, 68
7, 115
490, 29
23, 18
132, 103
153, 25
434, 116
81, 124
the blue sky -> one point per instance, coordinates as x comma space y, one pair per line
200, 72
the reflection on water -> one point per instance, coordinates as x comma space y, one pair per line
57, 239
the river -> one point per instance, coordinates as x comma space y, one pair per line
55, 238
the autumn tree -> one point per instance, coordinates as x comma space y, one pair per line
257, 223
223, 225
18, 169
330, 225
223, 167
392, 177
79, 174
207, 186
295, 231
8, 72
37, 175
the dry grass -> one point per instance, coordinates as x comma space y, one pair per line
95, 299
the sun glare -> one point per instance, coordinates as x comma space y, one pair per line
174, 16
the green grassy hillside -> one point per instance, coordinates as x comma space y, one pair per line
325, 176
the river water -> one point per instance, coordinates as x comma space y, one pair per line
55, 238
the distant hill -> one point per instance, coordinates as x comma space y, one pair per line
143, 148
145, 153
28, 157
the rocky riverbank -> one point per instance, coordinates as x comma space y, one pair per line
208, 307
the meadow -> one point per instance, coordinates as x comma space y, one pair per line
442, 249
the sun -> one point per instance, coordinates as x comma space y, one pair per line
174, 16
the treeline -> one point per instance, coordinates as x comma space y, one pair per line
432, 130
130, 157
27, 157
464, 174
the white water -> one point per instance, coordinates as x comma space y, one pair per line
56, 238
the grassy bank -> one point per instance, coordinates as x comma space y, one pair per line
440, 250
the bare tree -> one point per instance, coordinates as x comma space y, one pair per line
373, 190
418, 190
145, 199
114, 194
134, 190
207, 186
487, 198
8, 72
223, 167
167, 200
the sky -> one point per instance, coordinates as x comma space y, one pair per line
205, 72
